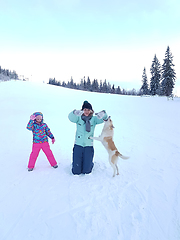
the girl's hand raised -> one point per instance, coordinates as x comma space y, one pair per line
32, 117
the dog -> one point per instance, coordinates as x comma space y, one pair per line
106, 138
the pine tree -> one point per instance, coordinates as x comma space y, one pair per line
118, 90
113, 89
108, 88
85, 84
81, 87
144, 88
89, 87
133, 92
105, 87
156, 76
74, 86
63, 84
77, 86
101, 86
124, 92
71, 84
168, 74
14, 75
95, 86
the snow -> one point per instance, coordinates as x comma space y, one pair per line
142, 203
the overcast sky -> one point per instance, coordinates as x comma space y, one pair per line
102, 39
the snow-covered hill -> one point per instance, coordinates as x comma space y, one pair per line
142, 203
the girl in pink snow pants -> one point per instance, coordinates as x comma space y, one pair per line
41, 132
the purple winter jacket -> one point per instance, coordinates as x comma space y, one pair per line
40, 131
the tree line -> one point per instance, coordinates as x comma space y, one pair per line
9, 74
162, 79
93, 86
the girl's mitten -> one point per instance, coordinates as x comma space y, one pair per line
32, 117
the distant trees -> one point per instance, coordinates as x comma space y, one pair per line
162, 79
7, 74
93, 86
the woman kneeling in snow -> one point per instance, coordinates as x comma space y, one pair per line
83, 151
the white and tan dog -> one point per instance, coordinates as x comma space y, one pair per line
106, 138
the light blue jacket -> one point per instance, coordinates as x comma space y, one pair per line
82, 136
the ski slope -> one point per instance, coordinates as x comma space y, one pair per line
142, 203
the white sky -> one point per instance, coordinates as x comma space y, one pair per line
102, 39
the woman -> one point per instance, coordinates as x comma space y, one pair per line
83, 150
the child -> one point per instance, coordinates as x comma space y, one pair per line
40, 140
83, 151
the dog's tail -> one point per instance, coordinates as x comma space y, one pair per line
120, 155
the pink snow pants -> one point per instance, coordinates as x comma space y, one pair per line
35, 152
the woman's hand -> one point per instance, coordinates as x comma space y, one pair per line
53, 140
101, 114
78, 112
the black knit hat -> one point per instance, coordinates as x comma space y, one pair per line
87, 105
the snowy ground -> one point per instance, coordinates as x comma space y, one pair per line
142, 203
